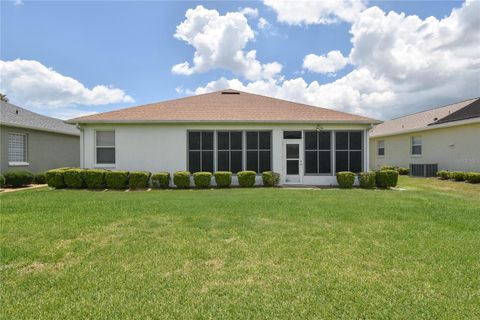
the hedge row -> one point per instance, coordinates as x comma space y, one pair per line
99, 179
471, 177
401, 171
381, 179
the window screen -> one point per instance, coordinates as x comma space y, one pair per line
200, 151
105, 147
416, 145
292, 134
17, 147
381, 148
318, 153
348, 151
229, 151
259, 149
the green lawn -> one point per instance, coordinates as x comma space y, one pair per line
243, 253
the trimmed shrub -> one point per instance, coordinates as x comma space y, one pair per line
403, 171
472, 177
138, 179
246, 178
116, 179
39, 178
386, 178
270, 179
95, 179
443, 174
2, 181
18, 178
457, 175
74, 178
161, 180
55, 178
389, 168
345, 179
181, 179
367, 179
202, 179
223, 179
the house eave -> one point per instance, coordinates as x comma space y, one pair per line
16, 125
80, 122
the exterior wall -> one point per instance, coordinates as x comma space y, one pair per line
45, 150
163, 147
454, 148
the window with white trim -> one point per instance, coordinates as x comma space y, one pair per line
17, 147
381, 148
229, 151
200, 151
348, 151
318, 152
416, 146
105, 147
259, 151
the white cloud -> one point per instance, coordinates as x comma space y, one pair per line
68, 113
219, 42
304, 12
249, 12
330, 63
30, 83
263, 24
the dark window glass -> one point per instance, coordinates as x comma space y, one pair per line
223, 140
207, 140
292, 166
324, 162
355, 141
311, 140
416, 149
252, 140
222, 161
207, 161
293, 151
264, 140
194, 161
236, 140
341, 140
292, 134
324, 140
355, 161
341, 161
264, 164
236, 161
106, 155
252, 160
381, 151
311, 162
194, 140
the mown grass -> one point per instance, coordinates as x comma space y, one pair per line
243, 253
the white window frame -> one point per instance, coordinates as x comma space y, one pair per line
379, 147
412, 144
105, 165
25, 161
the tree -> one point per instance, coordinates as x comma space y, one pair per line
3, 97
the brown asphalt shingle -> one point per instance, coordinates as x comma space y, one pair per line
224, 106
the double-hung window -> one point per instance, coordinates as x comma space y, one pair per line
229, 151
318, 153
417, 146
348, 151
381, 148
200, 151
259, 151
105, 147
17, 149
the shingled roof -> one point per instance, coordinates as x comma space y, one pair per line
14, 116
424, 120
225, 106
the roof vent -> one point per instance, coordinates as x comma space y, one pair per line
16, 111
230, 92
435, 119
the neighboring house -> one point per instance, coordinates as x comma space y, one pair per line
228, 131
444, 138
33, 142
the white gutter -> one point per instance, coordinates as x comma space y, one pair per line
72, 121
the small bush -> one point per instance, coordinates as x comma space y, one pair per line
367, 180
202, 179
74, 178
270, 179
18, 178
181, 179
116, 179
138, 179
95, 179
246, 178
386, 178
55, 178
403, 171
457, 176
345, 179
39, 178
2, 181
443, 174
223, 179
161, 180
472, 177
389, 168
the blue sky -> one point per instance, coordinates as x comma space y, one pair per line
131, 46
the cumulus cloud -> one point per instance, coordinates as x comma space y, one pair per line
30, 83
263, 24
249, 12
332, 62
304, 12
219, 42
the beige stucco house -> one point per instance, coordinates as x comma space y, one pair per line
443, 138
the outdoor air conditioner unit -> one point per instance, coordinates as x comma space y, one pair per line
423, 170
